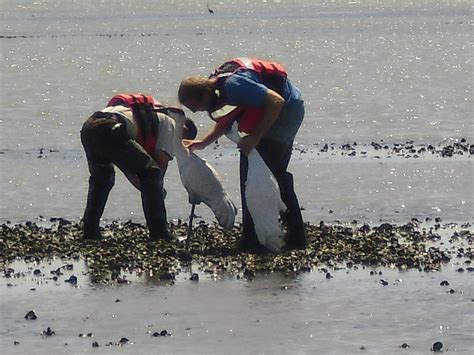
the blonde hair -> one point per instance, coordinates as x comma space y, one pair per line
194, 87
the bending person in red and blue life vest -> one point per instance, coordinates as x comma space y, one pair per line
130, 134
269, 108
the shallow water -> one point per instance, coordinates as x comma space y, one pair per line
272, 314
369, 71
330, 187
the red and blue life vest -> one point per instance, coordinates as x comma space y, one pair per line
272, 74
143, 116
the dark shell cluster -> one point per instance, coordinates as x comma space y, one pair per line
407, 149
125, 248
380, 149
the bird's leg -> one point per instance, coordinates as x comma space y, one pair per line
190, 226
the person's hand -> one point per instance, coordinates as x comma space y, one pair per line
194, 144
247, 144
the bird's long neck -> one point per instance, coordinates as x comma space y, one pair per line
180, 150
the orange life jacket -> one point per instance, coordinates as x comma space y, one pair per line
129, 99
262, 67
143, 116
273, 75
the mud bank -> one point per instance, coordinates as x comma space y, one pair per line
125, 248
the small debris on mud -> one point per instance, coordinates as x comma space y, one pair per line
126, 247
123, 341
48, 332
72, 280
437, 346
31, 315
163, 333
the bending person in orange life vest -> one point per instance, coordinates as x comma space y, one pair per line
270, 110
131, 135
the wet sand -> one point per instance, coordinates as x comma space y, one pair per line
382, 289
386, 142
332, 181
125, 246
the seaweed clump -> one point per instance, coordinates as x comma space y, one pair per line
125, 247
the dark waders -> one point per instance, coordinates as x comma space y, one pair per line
107, 143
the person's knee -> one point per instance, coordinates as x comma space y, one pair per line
103, 178
150, 175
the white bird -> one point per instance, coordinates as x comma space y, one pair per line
200, 179
263, 199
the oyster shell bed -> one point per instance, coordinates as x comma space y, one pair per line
125, 248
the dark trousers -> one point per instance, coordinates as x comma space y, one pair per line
277, 157
107, 143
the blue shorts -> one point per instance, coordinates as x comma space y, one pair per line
286, 126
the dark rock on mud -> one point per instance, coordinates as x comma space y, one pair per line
8, 272
48, 332
437, 346
123, 340
31, 315
57, 272
95, 344
444, 283
72, 280
167, 276
123, 280
249, 274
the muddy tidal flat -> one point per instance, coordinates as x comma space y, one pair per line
383, 158
386, 288
125, 247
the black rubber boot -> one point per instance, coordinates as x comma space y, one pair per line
295, 237
153, 204
96, 200
249, 243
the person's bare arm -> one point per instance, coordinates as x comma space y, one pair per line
215, 133
273, 105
